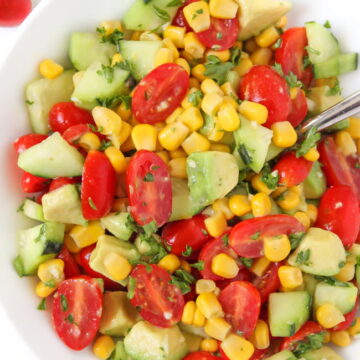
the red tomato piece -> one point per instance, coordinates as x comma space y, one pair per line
349, 318
353, 162
76, 312
262, 84
179, 19
339, 213
299, 109
243, 275
182, 233
149, 188
61, 181
200, 355
66, 114
269, 282
292, 170
161, 303
14, 12
241, 303
73, 134
159, 93
32, 184
27, 141
246, 237
259, 354
71, 268
221, 35
98, 186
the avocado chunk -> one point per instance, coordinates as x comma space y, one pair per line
315, 183
324, 353
148, 342
63, 205
211, 175
341, 294
257, 15
119, 352
118, 315
118, 224
283, 355
320, 252
288, 311
183, 205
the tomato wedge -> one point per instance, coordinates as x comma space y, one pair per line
71, 267
32, 184
339, 213
243, 275
159, 93
200, 355
354, 164
349, 318
160, 301
76, 312
13, 13
27, 141
241, 304
269, 282
299, 109
149, 188
246, 238
62, 181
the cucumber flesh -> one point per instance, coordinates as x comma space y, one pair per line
118, 225
336, 66
32, 210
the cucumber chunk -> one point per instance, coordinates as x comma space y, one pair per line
336, 66
42, 94
324, 353
283, 355
118, 225
119, 352
33, 210
315, 183
53, 157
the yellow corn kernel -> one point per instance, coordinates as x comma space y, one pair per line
209, 86
84, 236
170, 45
108, 121
187, 56
110, 26
220, 147
120, 205
51, 270
345, 143
289, 200
149, 36
172, 135
228, 118
312, 155
118, 266
194, 83
261, 56
50, 69
277, 248
250, 45
216, 224
205, 286
192, 118
340, 338
197, 15
216, 133
312, 213
329, 316
186, 101
164, 155
225, 266
199, 319
223, 55
211, 103
198, 72
354, 128
192, 44
277, 192
209, 345
290, 277
163, 56
170, 263
347, 273
117, 58
259, 185
260, 204
174, 116
284, 134
117, 159
282, 22
217, 328
44, 291
196, 143
303, 217
144, 137
188, 313
254, 111
183, 63
244, 66
223, 9
240, 205
260, 265
294, 93
103, 347
124, 112
176, 34
70, 244
261, 338
209, 305
222, 205
136, 35
355, 328
90, 141
178, 153
268, 37
236, 347
177, 168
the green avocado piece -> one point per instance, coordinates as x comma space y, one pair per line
315, 183
324, 353
118, 225
283, 355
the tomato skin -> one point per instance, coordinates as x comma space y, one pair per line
165, 85
13, 13
269, 282
243, 275
349, 318
182, 233
156, 296
83, 301
244, 245
200, 355
149, 189
32, 184
66, 114
98, 186
299, 109
339, 213
62, 181
27, 141
229, 28
292, 170
71, 268
262, 84
353, 162
241, 303
179, 19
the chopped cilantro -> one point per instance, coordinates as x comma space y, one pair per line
303, 257
125, 65
195, 97
311, 342
200, 265
311, 50
131, 287
331, 281
105, 145
216, 69
307, 61
127, 100
107, 72
278, 68
204, 232
269, 178
109, 102
92, 204
64, 303
277, 44
311, 139
21, 207
247, 262
327, 24
225, 239
336, 90
29, 102
70, 319
149, 177
150, 228
235, 55
200, 11
113, 38
188, 250
255, 236
162, 14
182, 279
50, 284
295, 239
244, 154
175, 3
42, 304
219, 35
293, 81
292, 329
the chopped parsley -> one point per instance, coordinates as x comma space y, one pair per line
195, 97
269, 178
64, 303
113, 38
327, 24
311, 50
149, 177
70, 319
293, 81
187, 252
29, 102
311, 139
303, 257
126, 100
307, 61
219, 35
336, 90
131, 287
278, 68
125, 65
42, 304
255, 236
162, 14
247, 262
235, 55
92, 204
225, 239
105, 144
183, 280
150, 228
311, 342
331, 281
50, 284
295, 239
107, 72
217, 70
244, 154
277, 44
108, 102
292, 329
175, 3
200, 265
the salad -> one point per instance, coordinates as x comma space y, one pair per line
179, 215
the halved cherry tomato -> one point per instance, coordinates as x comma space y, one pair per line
14, 12
309, 328
159, 93
221, 35
71, 268
98, 186
182, 233
299, 109
76, 312
246, 237
160, 301
269, 282
32, 184
243, 275
61, 181
27, 141
149, 188
262, 84
241, 303
339, 213
66, 114
292, 170
179, 19
354, 164
200, 355
349, 318
73, 134
259, 354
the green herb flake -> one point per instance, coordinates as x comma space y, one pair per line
70, 319
244, 154
162, 14
217, 70
255, 236
195, 97
331, 281
187, 252
336, 90
269, 178
114, 38
327, 24
21, 207
126, 100
292, 329
277, 44
131, 287
204, 232
295, 239
92, 204
107, 72
303, 257
200, 265
311, 50
29, 102
42, 304
278, 68
307, 61
199, 11
311, 342
150, 228
175, 3
64, 303
235, 55
310, 141
219, 35
50, 284
293, 81
247, 262
182, 279
225, 239
105, 144
149, 177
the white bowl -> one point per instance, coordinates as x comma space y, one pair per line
45, 34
